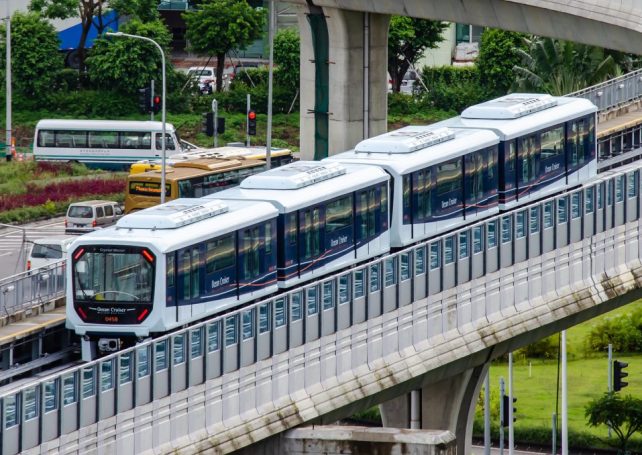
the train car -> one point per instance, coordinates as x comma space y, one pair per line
441, 177
331, 215
166, 266
547, 144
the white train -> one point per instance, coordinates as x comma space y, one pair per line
164, 267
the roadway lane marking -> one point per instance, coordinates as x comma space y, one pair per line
6, 254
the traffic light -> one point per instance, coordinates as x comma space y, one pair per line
251, 123
156, 104
618, 374
144, 98
220, 125
506, 404
208, 124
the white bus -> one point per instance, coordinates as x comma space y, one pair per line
107, 144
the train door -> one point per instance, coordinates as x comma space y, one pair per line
189, 281
311, 247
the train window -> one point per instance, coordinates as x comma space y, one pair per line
449, 250
10, 411
311, 232
358, 283
491, 229
69, 389
390, 275
576, 209
422, 195
463, 245
435, 255
406, 199
478, 239
338, 214
520, 224
142, 364
534, 220
372, 209
588, 200
220, 254
171, 262
51, 395
328, 295
88, 383
291, 228
405, 266
212, 336
562, 210
125, 368
492, 176
374, 277
264, 318
160, 355
548, 214
311, 300
384, 206
196, 273
178, 342
619, 188
420, 260
295, 306
507, 229
280, 315
248, 324
552, 145
474, 177
250, 254
344, 289
231, 330
449, 177
268, 237
30, 402
196, 347
528, 156
632, 189
572, 144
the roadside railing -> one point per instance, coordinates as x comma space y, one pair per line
615, 92
32, 288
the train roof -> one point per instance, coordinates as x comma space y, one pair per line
118, 125
180, 223
521, 113
304, 183
416, 147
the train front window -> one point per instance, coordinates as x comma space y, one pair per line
114, 274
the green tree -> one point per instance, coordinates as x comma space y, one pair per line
287, 57
126, 64
497, 57
217, 26
408, 39
622, 415
35, 60
145, 10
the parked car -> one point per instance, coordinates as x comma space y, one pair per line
205, 76
47, 251
89, 215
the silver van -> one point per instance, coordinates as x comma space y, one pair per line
87, 216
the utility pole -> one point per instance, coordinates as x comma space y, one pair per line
268, 142
8, 82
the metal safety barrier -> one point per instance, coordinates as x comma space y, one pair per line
32, 288
614, 92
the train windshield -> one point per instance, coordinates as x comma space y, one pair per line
123, 275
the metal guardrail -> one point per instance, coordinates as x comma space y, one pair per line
615, 92
35, 287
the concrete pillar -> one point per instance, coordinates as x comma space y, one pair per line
346, 67
395, 413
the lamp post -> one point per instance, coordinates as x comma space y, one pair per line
8, 83
163, 139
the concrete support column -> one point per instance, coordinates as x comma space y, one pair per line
346, 69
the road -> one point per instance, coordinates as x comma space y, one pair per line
15, 242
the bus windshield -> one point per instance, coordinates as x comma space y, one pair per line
113, 274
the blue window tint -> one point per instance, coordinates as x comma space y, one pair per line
264, 318
231, 330
30, 400
449, 250
344, 289
196, 346
405, 266
588, 200
374, 277
463, 245
69, 389
507, 228
125, 368
562, 211
328, 295
295, 306
51, 396
420, 261
179, 348
106, 376
311, 300
248, 324
619, 188
390, 272
548, 214
520, 224
576, 209
10, 411
534, 220
88, 383
143, 361
435, 256
160, 349
492, 234
632, 189
212, 336
359, 286
280, 315
478, 239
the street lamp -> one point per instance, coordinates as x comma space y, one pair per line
160, 49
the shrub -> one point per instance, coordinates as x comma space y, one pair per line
453, 88
93, 103
546, 348
623, 332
